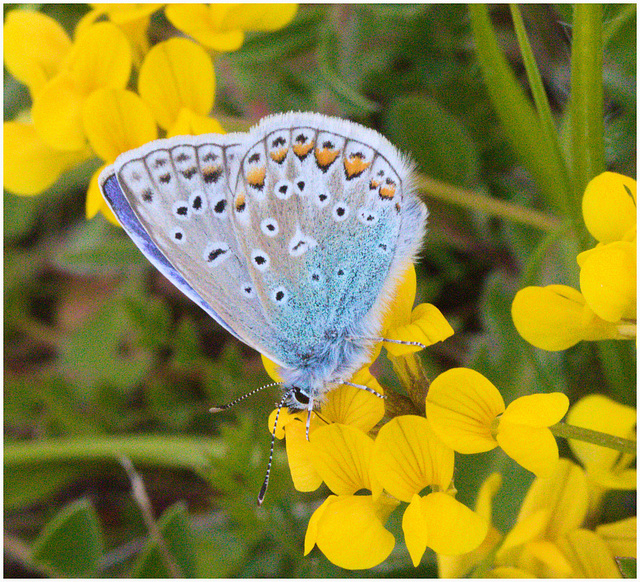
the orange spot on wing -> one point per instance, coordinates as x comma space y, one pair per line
239, 202
255, 176
325, 157
279, 155
302, 149
355, 164
388, 191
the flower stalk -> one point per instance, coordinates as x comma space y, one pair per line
569, 431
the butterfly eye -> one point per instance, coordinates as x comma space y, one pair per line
300, 397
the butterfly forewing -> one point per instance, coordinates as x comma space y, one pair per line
180, 192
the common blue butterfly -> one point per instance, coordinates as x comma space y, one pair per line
291, 236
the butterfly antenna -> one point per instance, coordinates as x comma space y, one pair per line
265, 484
363, 387
243, 397
391, 341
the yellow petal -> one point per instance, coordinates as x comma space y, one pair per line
552, 562
199, 22
299, 455
341, 455
95, 201
609, 206
537, 409
407, 457
34, 46
92, 66
30, 165
117, 121
399, 311
259, 16
312, 527
608, 280
524, 531
563, 494
190, 123
461, 406
620, 536
351, 534
121, 13
57, 114
354, 406
553, 318
509, 572
589, 555
486, 493
177, 74
415, 529
271, 368
428, 326
453, 528
534, 448
604, 465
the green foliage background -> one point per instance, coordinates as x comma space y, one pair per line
103, 357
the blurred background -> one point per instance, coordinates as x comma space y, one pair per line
102, 354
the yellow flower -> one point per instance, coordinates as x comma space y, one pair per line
221, 26
34, 48
348, 528
468, 413
557, 317
424, 324
553, 507
177, 82
567, 318
115, 121
87, 67
132, 19
407, 458
606, 468
30, 165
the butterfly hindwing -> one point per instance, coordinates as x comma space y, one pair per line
323, 209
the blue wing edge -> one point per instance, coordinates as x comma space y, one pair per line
117, 201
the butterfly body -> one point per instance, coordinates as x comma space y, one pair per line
292, 236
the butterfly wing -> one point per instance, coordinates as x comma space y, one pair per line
173, 199
325, 212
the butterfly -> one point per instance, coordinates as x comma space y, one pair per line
292, 236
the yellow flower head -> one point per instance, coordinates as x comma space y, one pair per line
348, 527
221, 26
407, 459
468, 413
557, 317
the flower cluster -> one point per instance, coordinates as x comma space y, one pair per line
557, 317
408, 462
551, 537
83, 102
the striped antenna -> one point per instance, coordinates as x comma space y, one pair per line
237, 400
391, 341
263, 489
363, 387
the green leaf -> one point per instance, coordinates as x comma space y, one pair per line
176, 531
328, 63
521, 124
628, 567
33, 470
436, 139
71, 544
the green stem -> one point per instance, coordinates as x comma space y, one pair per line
486, 204
568, 431
586, 102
